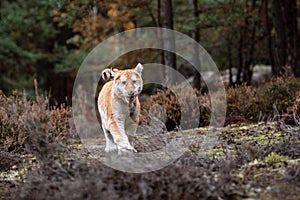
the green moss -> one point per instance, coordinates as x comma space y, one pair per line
275, 158
293, 161
217, 151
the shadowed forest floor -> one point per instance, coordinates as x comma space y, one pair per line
250, 161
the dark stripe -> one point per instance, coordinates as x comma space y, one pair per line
109, 135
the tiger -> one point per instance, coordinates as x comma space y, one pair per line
119, 107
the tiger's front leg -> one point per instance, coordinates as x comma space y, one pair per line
120, 137
131, 127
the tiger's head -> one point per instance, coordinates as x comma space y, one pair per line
128, 83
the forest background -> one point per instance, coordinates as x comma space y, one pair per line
47, 40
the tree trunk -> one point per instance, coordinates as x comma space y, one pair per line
229, 57
241, 60
248, 71
196, 37
158, 10
169, 40
286, 35
269, 35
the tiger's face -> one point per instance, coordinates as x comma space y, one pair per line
128, 84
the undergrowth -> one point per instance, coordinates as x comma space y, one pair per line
32, 127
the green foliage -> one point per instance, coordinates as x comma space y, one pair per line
31, 45
67, 60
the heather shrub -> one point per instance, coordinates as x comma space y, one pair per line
244, 103
12, 133
241, 104
30, 125
281, 92
248, 104
293, 112
166, 106
296, 106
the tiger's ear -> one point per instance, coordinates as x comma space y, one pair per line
109, 74
139, 68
